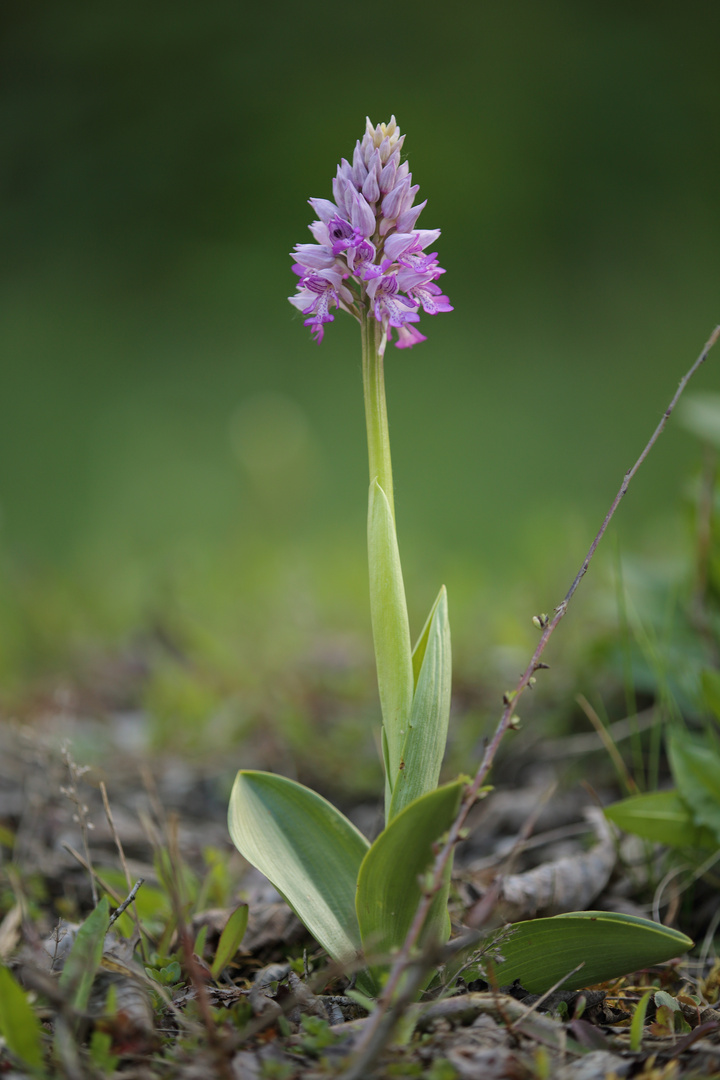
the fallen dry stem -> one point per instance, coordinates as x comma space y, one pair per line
132, 889
367, 1047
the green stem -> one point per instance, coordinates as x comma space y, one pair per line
378, 436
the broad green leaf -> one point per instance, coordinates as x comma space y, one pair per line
663, 817
389, 888
696, 771
541, 951
424, 745
19, 1025
85, 955
229, 943
308, 850
391, 631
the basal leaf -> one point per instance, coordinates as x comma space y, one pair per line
19, 1026
696, 770
541, 951
85, 955
308, 850
663, 817
424, 745
391, 631
389, 888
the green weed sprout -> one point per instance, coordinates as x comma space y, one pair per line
365, 902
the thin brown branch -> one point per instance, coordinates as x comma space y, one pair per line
368, 1045
132, 889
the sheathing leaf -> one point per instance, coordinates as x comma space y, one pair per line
424, 744
391, 630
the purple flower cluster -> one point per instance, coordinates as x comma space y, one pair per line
368, 253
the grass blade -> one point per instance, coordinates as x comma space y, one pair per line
230, 939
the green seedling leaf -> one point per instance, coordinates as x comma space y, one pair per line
710, 681
663, 998
84, 958
389, 883
391, 630
308, 850
101, 1052
662, 817
200, 941
19, 1025
638, 1022
230, 939
696, 771
168, 975
541, 951
424, 745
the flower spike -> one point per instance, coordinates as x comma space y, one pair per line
368, 256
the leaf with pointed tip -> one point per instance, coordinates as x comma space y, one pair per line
84, 958
541, 951
230, 939
391, 631
389, 887
696, 770
424, 746
19, 1026
308, 850
660, 816
418, 653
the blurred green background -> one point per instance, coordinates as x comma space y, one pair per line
179, 460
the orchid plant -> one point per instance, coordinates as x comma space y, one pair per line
370, 260
359, 899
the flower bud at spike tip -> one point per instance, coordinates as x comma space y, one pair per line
368, 254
